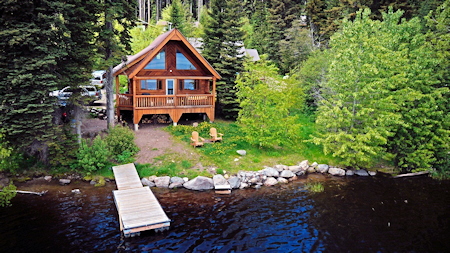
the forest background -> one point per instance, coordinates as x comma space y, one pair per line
363, 84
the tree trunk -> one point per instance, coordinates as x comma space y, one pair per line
77, 117
109, 98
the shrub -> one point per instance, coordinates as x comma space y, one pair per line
6, 194
120, 141
94, 157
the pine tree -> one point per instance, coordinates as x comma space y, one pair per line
177, 16
223, 49
29, 64
282, 14
114, 42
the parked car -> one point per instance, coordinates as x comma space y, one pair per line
88, 90
99, 78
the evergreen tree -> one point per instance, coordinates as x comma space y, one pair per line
113, 42
260, 37
223, 49
381, 97
295, 47
177, 16
29, 62
281, 15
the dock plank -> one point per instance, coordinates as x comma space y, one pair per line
138, 207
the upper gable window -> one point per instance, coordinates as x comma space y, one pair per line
159, 62
183, 63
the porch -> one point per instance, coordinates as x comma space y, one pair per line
173, 105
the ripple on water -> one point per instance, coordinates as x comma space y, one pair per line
350, 215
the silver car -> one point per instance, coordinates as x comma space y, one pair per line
88, 90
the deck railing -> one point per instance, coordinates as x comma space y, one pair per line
149, 101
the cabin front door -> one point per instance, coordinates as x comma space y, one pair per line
170, 87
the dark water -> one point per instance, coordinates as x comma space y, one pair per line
351, 215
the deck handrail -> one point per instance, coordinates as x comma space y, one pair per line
179, 100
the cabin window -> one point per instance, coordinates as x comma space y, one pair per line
189, 84
151, 84
159, 62
183, 63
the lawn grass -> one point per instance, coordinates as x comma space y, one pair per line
223, 154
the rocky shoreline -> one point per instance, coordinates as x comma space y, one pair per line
269, 176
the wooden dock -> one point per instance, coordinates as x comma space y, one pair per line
138, 208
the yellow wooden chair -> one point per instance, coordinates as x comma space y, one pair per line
214, 135
196, 140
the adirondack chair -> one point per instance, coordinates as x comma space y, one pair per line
214, 135
196, 140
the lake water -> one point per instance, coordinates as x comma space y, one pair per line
351, 215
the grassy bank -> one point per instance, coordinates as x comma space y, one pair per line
223, 156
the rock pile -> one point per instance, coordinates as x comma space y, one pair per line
269, 176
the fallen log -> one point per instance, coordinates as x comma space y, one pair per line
412, 174
35, 193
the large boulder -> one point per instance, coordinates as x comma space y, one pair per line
199, 183
147, 182
270, 172
176, 182
362, 173
234, 182
162, 182
287, 174
304, 165
349, 173
295, 168
322, 168
270, 181
336, 171
219, 180
281, 167
282, 180
244, 185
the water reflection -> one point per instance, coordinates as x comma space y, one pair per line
351, 215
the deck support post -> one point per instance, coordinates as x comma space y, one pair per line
136, 127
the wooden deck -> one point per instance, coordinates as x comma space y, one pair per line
138, 208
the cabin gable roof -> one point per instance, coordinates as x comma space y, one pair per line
136, 63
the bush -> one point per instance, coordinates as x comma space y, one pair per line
6, 194
94, 157
120, 141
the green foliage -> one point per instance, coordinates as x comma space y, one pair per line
282, 14
177, 16
382, 98
6, 194
267, 101
120, 141
92, 157
312, 75
223, 37
62, 151
142, 37
295, 47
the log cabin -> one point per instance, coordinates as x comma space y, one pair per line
168, 77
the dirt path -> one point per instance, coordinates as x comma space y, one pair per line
153, 142
150, 138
